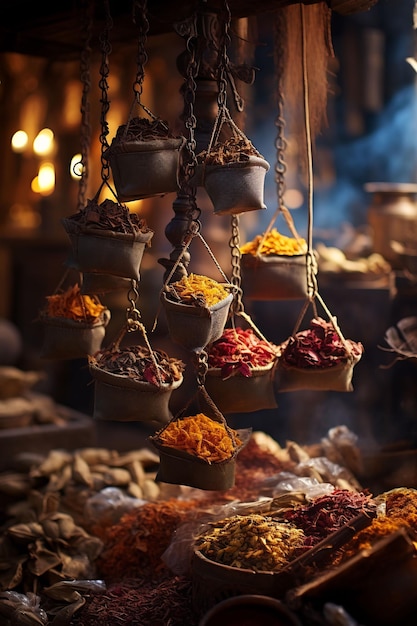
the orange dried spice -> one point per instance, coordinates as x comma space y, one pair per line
200, 436
73, 305
195, 286
275, 244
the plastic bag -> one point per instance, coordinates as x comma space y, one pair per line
108, 505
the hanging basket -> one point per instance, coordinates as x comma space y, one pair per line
94, 283
119, 398
318, 358
72, 339
142, 169
194, 327
274, 277
181, 468
241, 394
238, 186
103, 251
336, 378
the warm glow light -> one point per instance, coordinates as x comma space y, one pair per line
76, 167
19, 141
34, 185
46, 179
44, 142
293, 198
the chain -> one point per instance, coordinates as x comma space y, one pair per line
85, 75
189, 163
104, 86
280, 142
236, 280
201, 367
133, 321
223, 59
141, 21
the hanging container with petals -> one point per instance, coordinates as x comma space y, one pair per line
241, 371
196, 309
134, 383
275, 267
233, 173
199, 450
144, 157
107, 239
74, 325
318, 358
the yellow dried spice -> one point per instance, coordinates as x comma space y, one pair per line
275, 244
201, 436
255, 542
194, 287
73, 305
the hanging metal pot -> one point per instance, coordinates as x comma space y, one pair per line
119, 398
103, 251
142, 169
72, 339
194, 327
241, 394
238, 186
274, 277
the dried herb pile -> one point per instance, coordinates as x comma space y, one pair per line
200, 436
71, 304
108, 216
197, 290
318, 346
142, 129
255, 542
140, 603
137, 363
326, 514
240, 350
232, 150
274, 243
134, 546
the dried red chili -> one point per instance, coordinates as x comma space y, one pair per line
326, 514
238, 351
318, 346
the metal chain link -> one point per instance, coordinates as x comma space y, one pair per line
104, 86
133, 318
140, 19
223, 59
280, 141
236, 279
85, 76
201, 367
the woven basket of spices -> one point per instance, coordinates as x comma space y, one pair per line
145, 159
199, 452
74, 325
240, 376
196, 309
317, 358
132, 384
274, 267
107, 239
